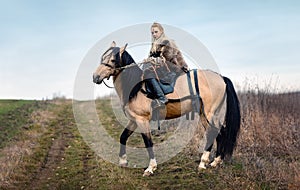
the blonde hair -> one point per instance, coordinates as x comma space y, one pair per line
159, 26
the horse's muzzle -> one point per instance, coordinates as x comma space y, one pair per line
97, 79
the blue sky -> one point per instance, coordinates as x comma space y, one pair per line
42, 43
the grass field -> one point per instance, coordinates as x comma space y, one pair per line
10, 105
41, 148
13, 116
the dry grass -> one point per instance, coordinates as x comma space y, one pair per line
269, 139
22, 146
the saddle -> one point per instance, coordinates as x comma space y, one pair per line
167, 83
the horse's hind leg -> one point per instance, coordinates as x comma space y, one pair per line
213, 124
131, 126
211, 135
219, 156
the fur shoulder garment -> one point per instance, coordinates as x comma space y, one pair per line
168, 50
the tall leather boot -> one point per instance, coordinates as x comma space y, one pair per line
155, 88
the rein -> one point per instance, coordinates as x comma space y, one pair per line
128, 66
124, 67
107, 85
120, 69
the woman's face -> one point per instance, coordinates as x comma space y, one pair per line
156, 33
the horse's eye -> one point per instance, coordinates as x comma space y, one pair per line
113, 61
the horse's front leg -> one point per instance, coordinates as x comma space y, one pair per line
131, 126
144, 125
149, 145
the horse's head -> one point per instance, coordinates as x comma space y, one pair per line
110, 63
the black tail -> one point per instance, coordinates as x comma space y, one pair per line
229, 133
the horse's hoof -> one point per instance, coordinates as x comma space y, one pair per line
201, 168
218, 161
213, 165
146, 174
123, 161
124, 165
149, 171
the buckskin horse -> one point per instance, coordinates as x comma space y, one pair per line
219, 101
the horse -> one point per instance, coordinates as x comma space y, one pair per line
221, 108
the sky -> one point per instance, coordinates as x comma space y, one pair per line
42, 43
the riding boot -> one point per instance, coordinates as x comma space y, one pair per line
155, 88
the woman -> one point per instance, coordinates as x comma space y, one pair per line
163, 51
165, 48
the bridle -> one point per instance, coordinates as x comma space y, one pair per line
117, 69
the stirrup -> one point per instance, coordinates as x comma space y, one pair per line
156, 104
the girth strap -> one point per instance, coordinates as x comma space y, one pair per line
196, 83
190, 83
196, 98
191, 93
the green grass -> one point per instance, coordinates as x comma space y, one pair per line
10, 105
14, 115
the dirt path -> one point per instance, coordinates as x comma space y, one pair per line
30, 161
52, 160
55, 154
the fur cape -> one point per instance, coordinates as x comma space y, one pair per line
167, 49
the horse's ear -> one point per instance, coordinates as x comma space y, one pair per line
113, 44
122, 49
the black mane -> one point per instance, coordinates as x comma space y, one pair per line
131, 78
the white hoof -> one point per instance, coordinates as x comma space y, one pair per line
147, 173
202, 166
151, 168
216, 162
123, 161
204, 160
